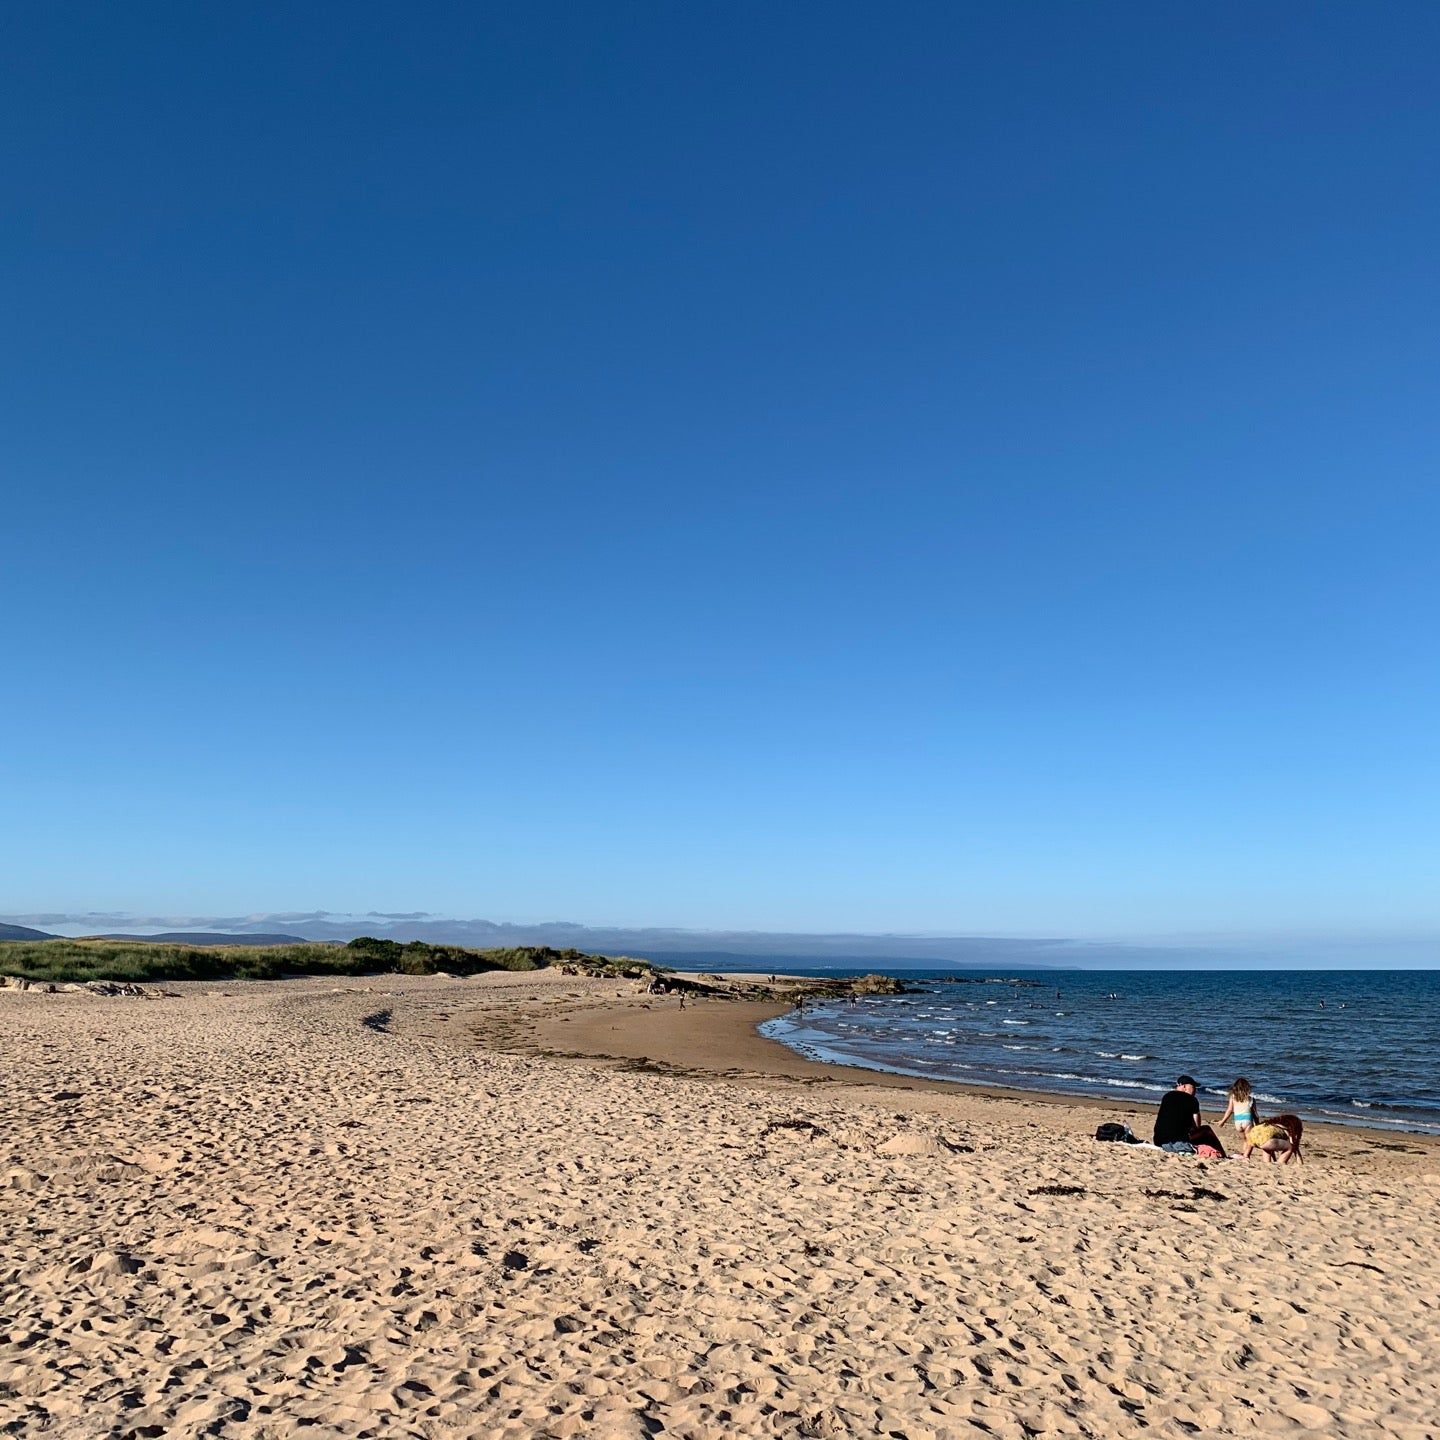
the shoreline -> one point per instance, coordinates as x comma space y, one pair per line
718, 1039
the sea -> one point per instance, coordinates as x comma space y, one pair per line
1359, 1047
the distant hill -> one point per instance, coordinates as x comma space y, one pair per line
744, 962
838, 949
23, 932
196, 937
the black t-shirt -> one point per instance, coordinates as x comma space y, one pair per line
1177, 1116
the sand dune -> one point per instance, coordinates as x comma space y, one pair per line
294, 1209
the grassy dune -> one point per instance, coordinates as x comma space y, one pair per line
139, 960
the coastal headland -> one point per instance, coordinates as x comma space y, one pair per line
532, 1203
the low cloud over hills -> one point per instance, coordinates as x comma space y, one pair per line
714, 949
706, 946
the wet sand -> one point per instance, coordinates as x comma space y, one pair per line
719, 1039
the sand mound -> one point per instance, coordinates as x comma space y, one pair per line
911, 1142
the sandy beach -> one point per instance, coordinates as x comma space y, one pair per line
539, 1205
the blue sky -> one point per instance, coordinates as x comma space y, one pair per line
942, 468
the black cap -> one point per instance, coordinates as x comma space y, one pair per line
1186, 1080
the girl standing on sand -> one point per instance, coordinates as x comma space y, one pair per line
1241, 1108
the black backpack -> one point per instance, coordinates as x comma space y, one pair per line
1111, 1130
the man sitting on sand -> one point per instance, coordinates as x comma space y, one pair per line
1177, 1121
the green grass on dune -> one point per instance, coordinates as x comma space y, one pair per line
140, 960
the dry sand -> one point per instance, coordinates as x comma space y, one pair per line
387, 1209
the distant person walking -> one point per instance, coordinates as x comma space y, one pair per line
1178, 1126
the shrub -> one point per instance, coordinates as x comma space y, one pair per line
140, 960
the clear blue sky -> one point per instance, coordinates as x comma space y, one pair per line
944, 467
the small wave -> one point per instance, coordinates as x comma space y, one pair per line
1108, 1081
1404, 1125
1390, 1085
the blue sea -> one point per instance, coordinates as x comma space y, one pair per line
1361, 1047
